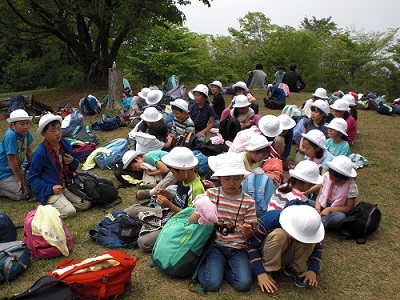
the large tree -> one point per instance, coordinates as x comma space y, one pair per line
93, 30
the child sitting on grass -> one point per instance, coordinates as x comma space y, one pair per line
337, 143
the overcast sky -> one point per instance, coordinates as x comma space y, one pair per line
367, 15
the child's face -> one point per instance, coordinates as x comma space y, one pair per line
180, 175
336, 181
332, 133
199, 98
215, 90
316, 114
338, 113
309, 150
239, 91
135, 164
231, 184
21, 127
149, 124
180, 115
243, 110
53, 133
258, 156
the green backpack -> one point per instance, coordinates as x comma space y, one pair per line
181, 247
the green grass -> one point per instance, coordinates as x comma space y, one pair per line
348, 270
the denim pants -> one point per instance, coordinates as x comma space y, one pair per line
333, 219
225, 263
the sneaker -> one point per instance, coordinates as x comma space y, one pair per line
148, 186
291, 272
143, 194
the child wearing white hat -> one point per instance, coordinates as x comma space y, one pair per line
319, 94
283, 142
241, 88
15, 147
288, 239
242, 112
257, 150
236, 213
337, 143
338, 192
341, 109
218, 101
138, 102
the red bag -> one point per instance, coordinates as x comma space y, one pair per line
104, 282
275, 166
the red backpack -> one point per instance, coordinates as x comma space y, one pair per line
37, 245
103, 282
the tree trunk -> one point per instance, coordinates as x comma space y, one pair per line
114, 89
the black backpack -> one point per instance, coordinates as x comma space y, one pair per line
229, 128
8, 231
119, 171
361, 221
84, 134
107, 123
274, 104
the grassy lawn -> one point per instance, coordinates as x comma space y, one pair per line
348, 270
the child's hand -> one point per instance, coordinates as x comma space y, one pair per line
310, 277
200, 134
162, 201
22, 187
57, 189
68, 158
266, 283
165, 193
325, 212
247, 230
208, 184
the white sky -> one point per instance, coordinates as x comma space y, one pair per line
367, 15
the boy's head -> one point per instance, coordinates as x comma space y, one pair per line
180, 109
216, 87
293, 67
314, 143
50, 128
153, 97
200, 94
259, 147
259, 66
281, 69
132, 159
19, 121
151, 115
270, 126
341, 169
180, 160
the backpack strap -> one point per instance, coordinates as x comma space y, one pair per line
260, 193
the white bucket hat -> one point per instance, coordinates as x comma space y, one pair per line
350, 99
216, 83
307, 171
360, 96
129, 156
143, 93
145, 142
316, 136
338, 124
270, 126
343, 165
180, 103
153, 97
229, 164
212, 160
303, 223
46, 119
180, 158
18, 115
321, 105
240, 84
340, 105
202, 89
321, 94
241, 101
287, 122
257, 142
151, 114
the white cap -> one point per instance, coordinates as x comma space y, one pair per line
202, 89
153, 97
321, 94
241, 101
350, 99
180, 103
181, 158
338, 124
321, 105
270, 126
129, 156
46, 119
229, 164
340, 105
307, 171
216, 83
303, 223
18, 115
151, 114
143, 93
240, 84
287, 122
316, 136
343, 165
257, 142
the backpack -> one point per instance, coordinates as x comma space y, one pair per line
203, 167
299, 129
90, 105
37, 245
116, 230
16, 102
84, 134
274, 104
119, 172
276, 93
14, 259
71, 122
107, 123
384, 109
8, 231
260, 187
64, 109
180, 247
229, 128
117, 148
82, 150
105, 281
172, 82
40, 108
94, 188
361, 221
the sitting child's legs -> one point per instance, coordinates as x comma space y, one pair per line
76, 201
297, 255
333, 219
9, 188
279, 144
146, 241
211, 272
62, 204
239, 273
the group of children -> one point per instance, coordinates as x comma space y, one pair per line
316, 197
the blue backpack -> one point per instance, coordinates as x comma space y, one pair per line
107, 123
203, 167
117, 148
90, 105
8, 231
172, 82
260, 187
16, 102
298, 130
76, 120
84, 134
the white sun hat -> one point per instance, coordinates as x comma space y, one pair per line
212, 160
143, 93
340, 105
18, 115
338, 124
241, 101
270, 126
321, 105
303, 223
180, 103
46, 119
181, 158
287, 122
202, 89
307, 171
321, 94
145, 142
229, 164
257, 142
151, 114
350, 99
129, 156
216, 83
343, 165
316, 136
241, 84
153, 97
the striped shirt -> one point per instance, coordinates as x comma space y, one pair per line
279, 199
181, 128
240, 208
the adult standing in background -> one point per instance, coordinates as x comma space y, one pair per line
291, 78
258, 76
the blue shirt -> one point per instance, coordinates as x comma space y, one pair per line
200, 116
342, 148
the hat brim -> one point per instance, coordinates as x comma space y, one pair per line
134, 155
352, 174
141, 95
239, 86
304, 135
289, 126
166, 159
294, 174
337, 129
321, 109
323, 98
214, 84
179, 106
261, 126
232, 172
159, 117
44, 124
241, 106
258, 147
339, 108
192, 91
12, 120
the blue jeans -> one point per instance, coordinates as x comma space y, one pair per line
332, 220
225, 263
